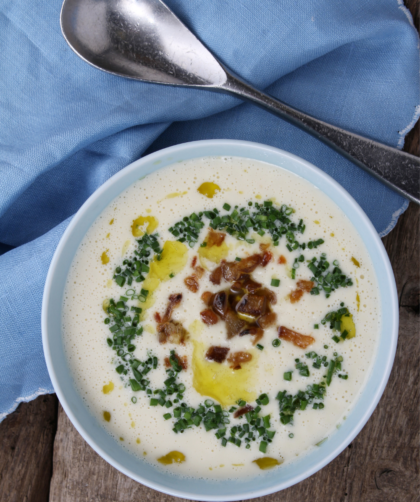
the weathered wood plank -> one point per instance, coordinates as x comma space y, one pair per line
26, 445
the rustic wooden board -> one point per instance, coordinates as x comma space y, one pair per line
26, 445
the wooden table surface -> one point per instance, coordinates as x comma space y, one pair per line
43, 458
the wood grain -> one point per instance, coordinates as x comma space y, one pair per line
26, 445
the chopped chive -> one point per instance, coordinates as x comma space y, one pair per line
275, 283
260, 347
287, 376
276, 342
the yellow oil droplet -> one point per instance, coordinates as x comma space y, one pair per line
316, 222
208, 189
105, 257
133, 424
241, 192
219, 381
221, 465
126, 245
150, 329
107, 416
174, 257
121, 439
145, 453
141, 221
138, 441
347, 324
112, 221
267, 462
148, 210
358, 302
238, 465
107, 235
173, 195
332, 234
355, 262
109, 283
258, 196
106, 389
105, 305
173, 457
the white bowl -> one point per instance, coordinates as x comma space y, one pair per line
87, 424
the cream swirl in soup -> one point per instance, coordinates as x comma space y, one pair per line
221, 317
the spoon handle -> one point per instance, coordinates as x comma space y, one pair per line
399, 170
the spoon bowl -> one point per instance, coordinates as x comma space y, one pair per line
142, 40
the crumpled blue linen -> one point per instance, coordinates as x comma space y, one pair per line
65, 127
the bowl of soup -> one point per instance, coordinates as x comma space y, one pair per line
219, 320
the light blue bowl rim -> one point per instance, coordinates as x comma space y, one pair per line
101, 441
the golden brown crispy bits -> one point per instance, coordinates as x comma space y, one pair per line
192, 280
252, 305
237, 358
192, 283
209, 317
174, 301
234, 325
305, 285
245, 307
220, 304
302, 287
207, 298
255, 332
282, 260
216, 275
271, 296
302, 341
214, 238
242, 411
168, 330
199, 272
183, 361
267, 256
217, 354
172, 332
296, 295
232, 271
267, 320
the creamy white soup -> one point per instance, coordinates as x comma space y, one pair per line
221, 317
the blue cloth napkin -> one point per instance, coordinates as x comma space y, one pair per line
66, 127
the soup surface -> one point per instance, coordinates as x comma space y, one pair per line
221, 317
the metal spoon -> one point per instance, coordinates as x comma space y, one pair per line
144, 40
